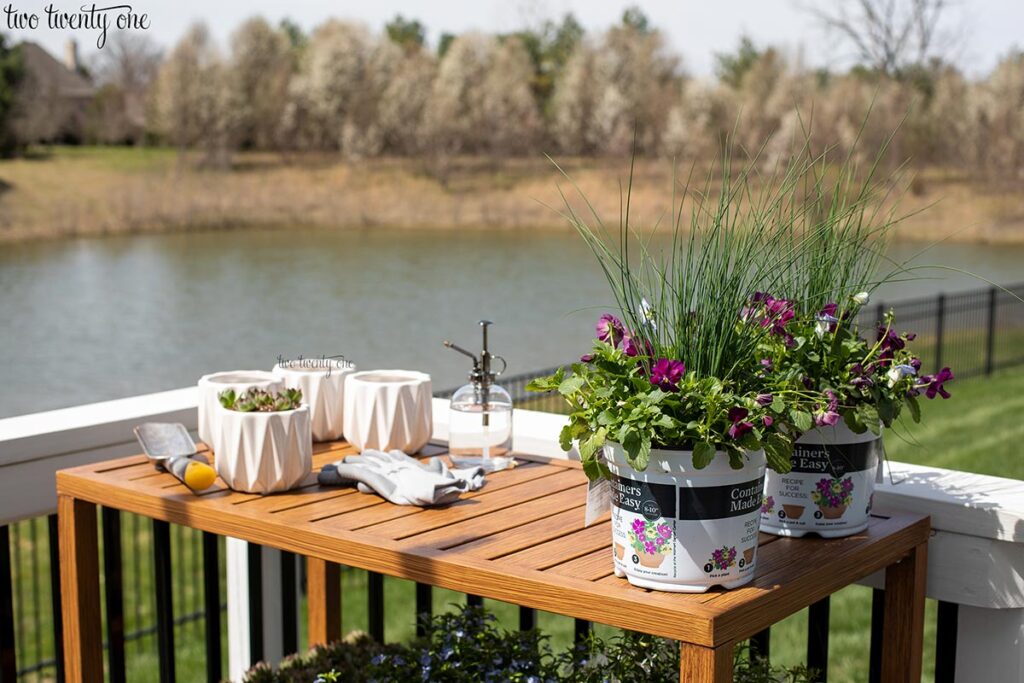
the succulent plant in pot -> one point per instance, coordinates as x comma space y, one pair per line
264, 443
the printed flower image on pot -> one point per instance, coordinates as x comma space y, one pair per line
833, 496
650, 541
767, 505
721, 559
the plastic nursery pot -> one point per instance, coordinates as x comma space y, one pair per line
263, 452
211, 386
323, 390
388, 409
685, 530
829, 490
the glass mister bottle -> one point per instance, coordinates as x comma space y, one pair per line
481, 411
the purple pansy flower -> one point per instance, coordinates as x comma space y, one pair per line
767, 420
764, 400
632, 345
935, 383
739, 425
827, 415
666, 374
586, 358
609, 329
891, 342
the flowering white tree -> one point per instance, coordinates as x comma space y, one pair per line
191, 96
481, 100
404, 101
259, 72
998, 117
624, 86
334, 98
509, 107
573, 103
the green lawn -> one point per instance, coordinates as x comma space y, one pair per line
977, 430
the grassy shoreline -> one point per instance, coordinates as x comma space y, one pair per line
80, 191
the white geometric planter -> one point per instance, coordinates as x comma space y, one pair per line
680, 529
263, 452
388, 409
323, 390
211, 386
829, 490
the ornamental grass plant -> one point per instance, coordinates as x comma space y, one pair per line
685, 365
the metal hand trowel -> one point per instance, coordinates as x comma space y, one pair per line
171, 448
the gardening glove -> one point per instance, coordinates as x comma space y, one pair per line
400, 479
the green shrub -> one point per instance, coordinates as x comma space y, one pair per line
468, 647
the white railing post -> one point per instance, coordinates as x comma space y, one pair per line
990, 645
975, 559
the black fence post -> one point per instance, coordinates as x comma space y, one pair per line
375, 612
424, 607
940, 323
761, 644
8, 661
817, 639
211, 606
990, 338
164, 599
877, 619
113, 591
289, 605
945, 642
582, 630
254, 561
55, 601
527, 618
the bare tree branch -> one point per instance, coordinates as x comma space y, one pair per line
888, 35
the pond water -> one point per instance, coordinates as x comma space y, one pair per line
87, 320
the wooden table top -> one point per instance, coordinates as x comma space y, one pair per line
520, 539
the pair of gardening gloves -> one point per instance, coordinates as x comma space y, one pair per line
401, 479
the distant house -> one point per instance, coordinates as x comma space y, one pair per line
53, 98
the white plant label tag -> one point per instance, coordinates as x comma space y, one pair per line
599, 500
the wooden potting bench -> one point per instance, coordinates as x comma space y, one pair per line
520, 539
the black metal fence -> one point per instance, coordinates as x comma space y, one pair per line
174, 580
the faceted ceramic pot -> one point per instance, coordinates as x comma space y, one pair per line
211, 386
829, 490
388, 409
323, 390
263, 452
682, 529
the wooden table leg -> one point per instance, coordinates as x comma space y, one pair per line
323, 592
80, 591
903, 627
698, 664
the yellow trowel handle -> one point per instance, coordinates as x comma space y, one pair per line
192, 471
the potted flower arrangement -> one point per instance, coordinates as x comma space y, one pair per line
672, 405
867, 381
265, 442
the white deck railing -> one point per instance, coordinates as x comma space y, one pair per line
975, 558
